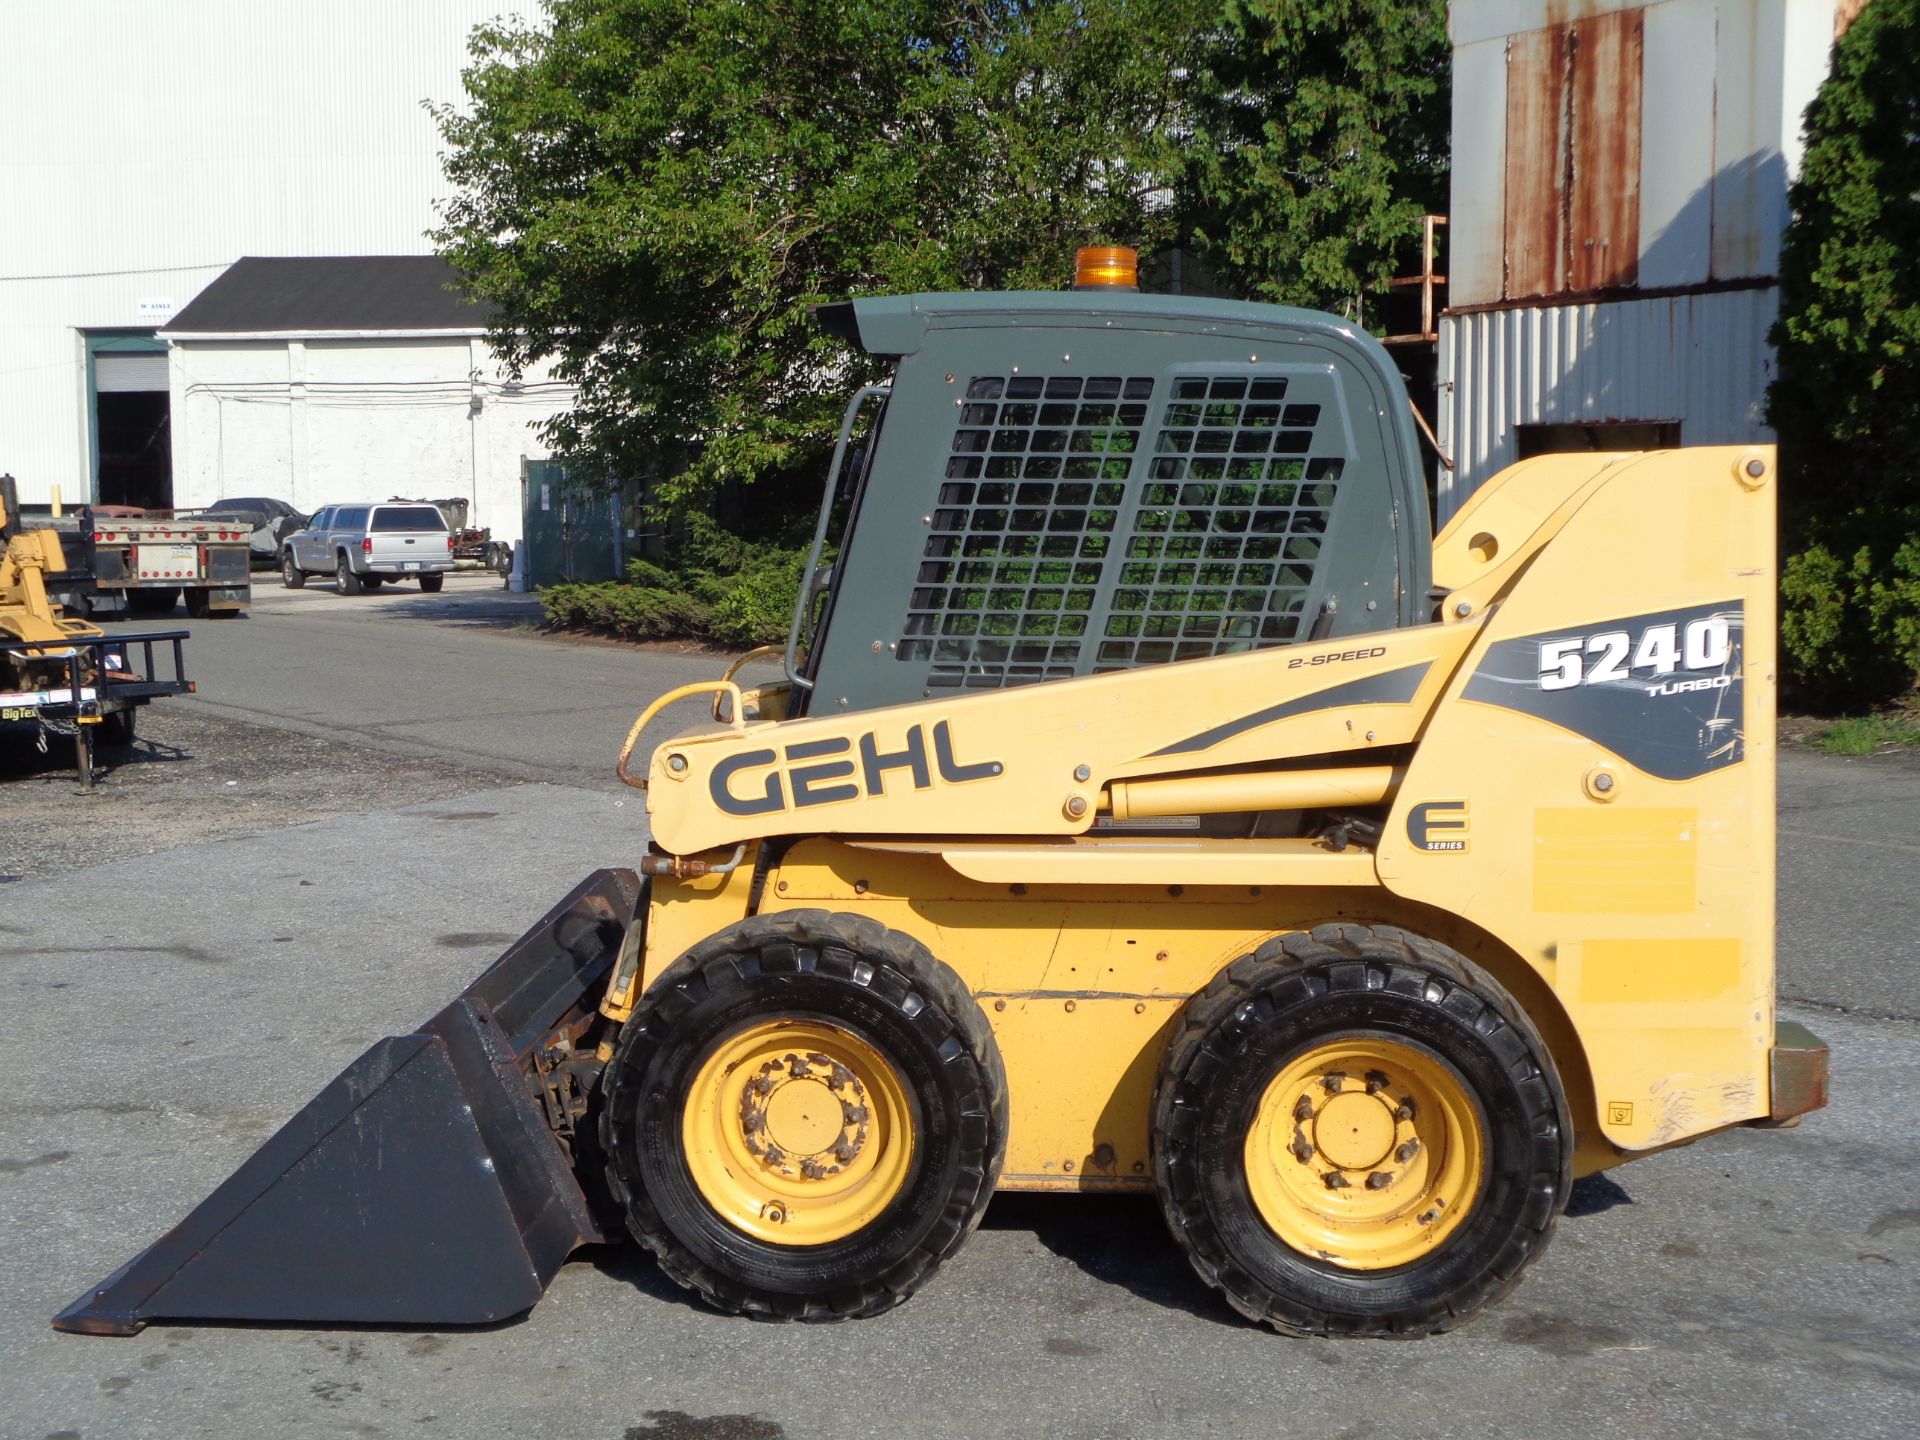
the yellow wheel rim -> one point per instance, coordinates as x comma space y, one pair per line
797, 1132
1365, 1152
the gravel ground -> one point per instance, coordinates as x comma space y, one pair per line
193, 777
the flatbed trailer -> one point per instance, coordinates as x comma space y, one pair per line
145, 565
89, 684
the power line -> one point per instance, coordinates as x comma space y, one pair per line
110, 274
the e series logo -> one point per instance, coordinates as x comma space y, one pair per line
1439, 825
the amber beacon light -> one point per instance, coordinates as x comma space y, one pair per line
1106, 267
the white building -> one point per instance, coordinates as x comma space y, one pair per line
148, 147
1620, 178
327, 380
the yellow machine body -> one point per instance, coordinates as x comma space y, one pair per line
1612, 868
27, 557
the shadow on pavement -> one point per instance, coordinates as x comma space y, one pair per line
22, 758
1118, 1240
1595, 1195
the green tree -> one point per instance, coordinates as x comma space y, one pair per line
1847, 402
653, 192
1321, 137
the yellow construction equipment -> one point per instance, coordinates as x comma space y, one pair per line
1150, 805
59, 674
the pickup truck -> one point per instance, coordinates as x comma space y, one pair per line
363, 545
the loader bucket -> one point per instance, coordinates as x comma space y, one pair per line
423, 1186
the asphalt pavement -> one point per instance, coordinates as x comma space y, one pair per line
462, 676
162, 1013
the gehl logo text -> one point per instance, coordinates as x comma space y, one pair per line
833, 771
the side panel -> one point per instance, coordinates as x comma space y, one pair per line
1080, 984
1596, 788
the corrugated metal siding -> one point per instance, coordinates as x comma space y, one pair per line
149, 146
1536, 219
1647, 145
1603, 169
1572, 207
1702, 360
1475, 252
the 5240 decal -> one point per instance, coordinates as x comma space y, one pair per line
1667, 648
1664, 691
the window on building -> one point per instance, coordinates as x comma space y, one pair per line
1564, 439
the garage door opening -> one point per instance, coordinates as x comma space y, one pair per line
132, 429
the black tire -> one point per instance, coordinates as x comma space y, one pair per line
199, 603
430, 584
344, 579
1340, 981
153, 602
116, 729
857, 975
291, 575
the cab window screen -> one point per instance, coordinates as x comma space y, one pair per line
1018, 542
408, 517
1225, 543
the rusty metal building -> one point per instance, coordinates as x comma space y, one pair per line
1620, 177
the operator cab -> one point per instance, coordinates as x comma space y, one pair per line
1057, 484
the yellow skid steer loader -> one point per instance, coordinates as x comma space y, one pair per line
1150, 804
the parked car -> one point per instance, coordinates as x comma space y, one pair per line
271, 520
364, 545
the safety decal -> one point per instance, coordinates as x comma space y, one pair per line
1662, 691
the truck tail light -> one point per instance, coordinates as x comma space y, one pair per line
366, 544
449, 544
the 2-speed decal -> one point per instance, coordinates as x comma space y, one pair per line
1394, 687
1662, 691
